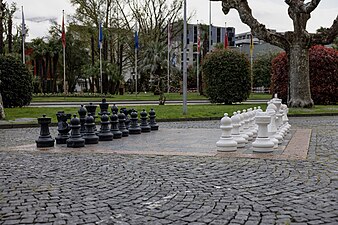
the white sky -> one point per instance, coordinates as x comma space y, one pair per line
272, 13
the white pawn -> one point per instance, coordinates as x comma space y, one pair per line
272, 129
226, 141
252, 126
262, 142
235, 120
246, 125
241, 127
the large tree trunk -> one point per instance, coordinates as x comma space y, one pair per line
299, 78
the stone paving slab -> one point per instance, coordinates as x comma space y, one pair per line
185, 142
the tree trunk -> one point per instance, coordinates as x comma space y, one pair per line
299, 76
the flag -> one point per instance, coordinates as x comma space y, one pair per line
251, 44
23, 26
226, 41
63, 35
100, 35
169, 35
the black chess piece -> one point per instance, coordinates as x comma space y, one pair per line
105, 134
114, 128
122, 125
134, 127
63, 127
75, 140
92, 110
127, 119
152, 120
144, 124
115, 109
103, 107
82, 113
45, 139
90, 137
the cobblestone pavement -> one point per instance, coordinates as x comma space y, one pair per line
88, 188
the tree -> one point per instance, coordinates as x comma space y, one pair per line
262, 69
296, 43
2, 16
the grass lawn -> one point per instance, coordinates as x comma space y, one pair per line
140, 97
167, 112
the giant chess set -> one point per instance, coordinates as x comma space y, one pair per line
82, 130
265, 131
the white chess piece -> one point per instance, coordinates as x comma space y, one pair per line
226, 141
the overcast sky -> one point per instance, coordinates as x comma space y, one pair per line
272, 13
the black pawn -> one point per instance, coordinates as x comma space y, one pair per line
92, 110
115, 109
152, 120
127, 119
122, 125
144, 124
63, 127
45, 139
105, 134
103, 107
134, 127
82, 113
75, 140
114, 128
90, 136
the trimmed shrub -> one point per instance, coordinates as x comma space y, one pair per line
16, 82
227, 76
262, 70
323, 75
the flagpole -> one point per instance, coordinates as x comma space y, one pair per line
136, 47
185, 57
64, 54
101, 68
168, 81
23, 37
251, 59
210, 36
198, 57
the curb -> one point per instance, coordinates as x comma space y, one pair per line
30, 125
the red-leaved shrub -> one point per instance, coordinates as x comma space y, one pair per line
323, 75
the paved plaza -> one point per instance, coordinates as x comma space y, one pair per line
102, 187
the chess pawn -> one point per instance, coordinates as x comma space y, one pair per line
122, 125
252, 126
115, 109
226, 141
270, 110
262, 143
235, 120
82, 113
90, 137
45, 139
114, 128
127, 119
63, 127
152, 120
92, 110
285, 119
134, 127
241, 127
105, 134
144, 124
246, 125
75, 140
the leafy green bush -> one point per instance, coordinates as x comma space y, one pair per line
261, 70
227, 76
323, 75
16, 82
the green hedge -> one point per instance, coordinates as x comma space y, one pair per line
227, 76
16, 82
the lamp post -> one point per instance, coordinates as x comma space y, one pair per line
185, 57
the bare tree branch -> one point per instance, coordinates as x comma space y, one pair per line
257, 28
326, 35
309, 7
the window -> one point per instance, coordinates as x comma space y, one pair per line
218, 32
195, 34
